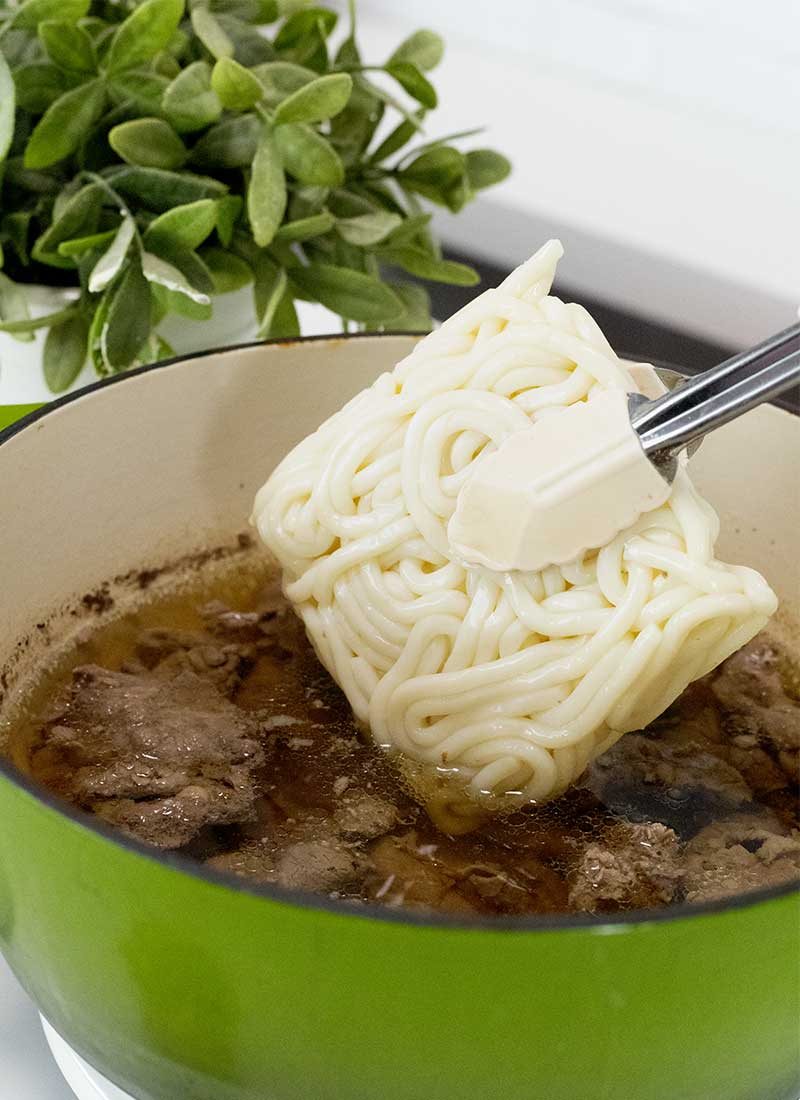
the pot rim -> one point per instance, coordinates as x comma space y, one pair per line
565, 922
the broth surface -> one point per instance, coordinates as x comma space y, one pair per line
204, 723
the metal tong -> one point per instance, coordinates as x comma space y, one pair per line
681, 418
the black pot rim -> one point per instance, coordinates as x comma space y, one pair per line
565, 922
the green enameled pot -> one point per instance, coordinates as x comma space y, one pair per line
182, 984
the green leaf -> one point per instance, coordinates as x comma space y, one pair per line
38, 183
237, 88
485, 167
305, 201
284, 324
368, 229
280, 79
420, 263
268, 289
60, 129
127, 325
250, 47
190, 102
434, 173
110, 263
68, 45
164, 64
321, 99
409, 231
187, 262
186, 226
79, 215
96, 326
155, 348
38, 84
305, 228
146, 31
399, 137
32, 12
78, 246
417, 314
351, 294
16, 227
142, 89
210, 33
352, 129
299, 26
410, 78
156, 270
229, 271
423, 49
228, 210
65, 351
14, 308
7, 106
172, 301
230, 144
251, 11
159, 189
308, 156
266, 192
150, 142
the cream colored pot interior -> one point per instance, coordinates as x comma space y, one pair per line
166, 462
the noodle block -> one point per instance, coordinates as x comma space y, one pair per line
509, 683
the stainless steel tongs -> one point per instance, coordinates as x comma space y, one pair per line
573, 481
697, 406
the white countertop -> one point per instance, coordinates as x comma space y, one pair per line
27, 1068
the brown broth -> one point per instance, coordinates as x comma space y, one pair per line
701, 805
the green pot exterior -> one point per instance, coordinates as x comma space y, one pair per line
179, 988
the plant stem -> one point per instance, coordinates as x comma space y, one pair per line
116, 198
32, 323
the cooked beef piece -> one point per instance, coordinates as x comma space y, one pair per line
255, 861
743, 852
319, 865
364, 815
675, 780
160, 758
758, 706
631, 867
170, 652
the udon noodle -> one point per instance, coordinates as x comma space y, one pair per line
512, 681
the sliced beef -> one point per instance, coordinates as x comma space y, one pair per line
365, 815
255, 862
740, 853
680, 781
633, 866
160, 758
760, 704
170, 652
323, 866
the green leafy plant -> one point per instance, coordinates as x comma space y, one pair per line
155, 154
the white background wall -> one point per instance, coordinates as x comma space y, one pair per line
659, 138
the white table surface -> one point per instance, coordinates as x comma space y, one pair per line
27, 1069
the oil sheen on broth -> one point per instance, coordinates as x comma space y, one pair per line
203, 723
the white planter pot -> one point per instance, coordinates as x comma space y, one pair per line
233, 322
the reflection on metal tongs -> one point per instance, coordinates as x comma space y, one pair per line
684, 416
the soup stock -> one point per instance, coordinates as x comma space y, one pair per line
168, 496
